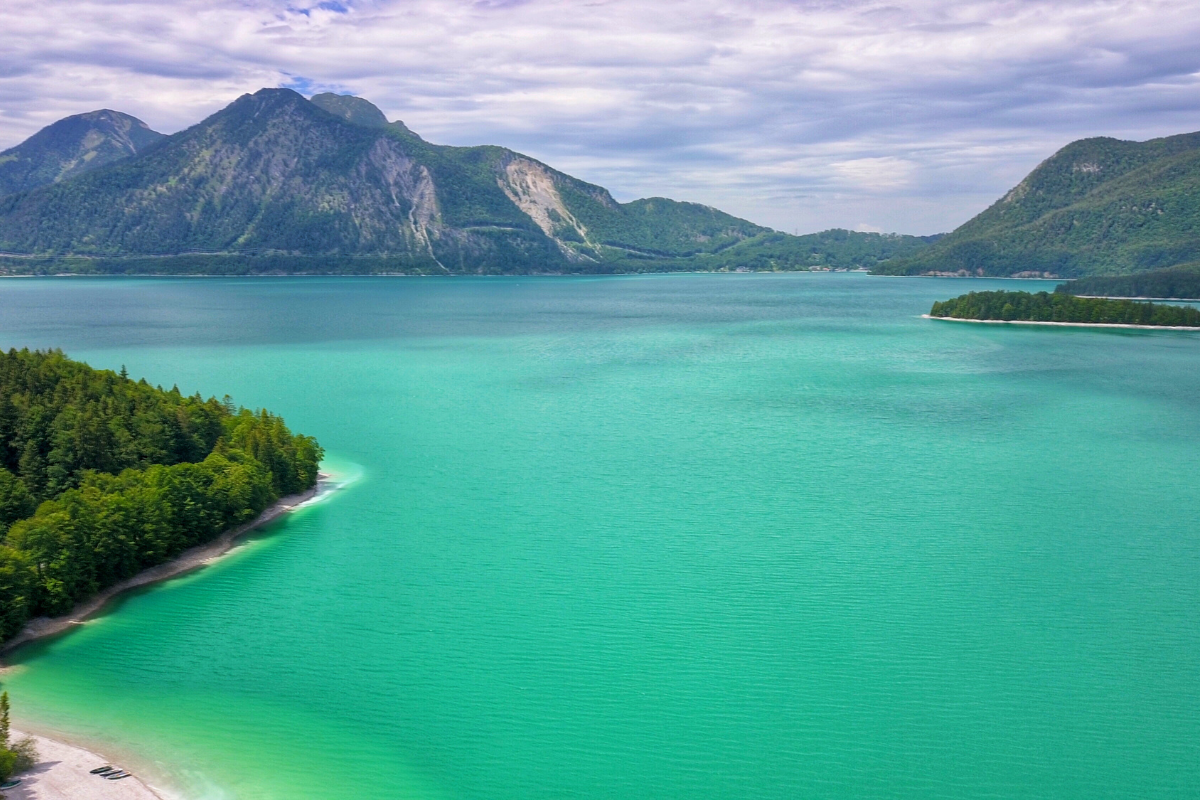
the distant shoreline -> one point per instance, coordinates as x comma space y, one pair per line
971, 277
1066, 324
187, 561
858, 271
1122, 297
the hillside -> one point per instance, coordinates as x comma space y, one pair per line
72, 146
278, 183
1181, 281
1098, 206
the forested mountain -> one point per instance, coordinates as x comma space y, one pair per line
1098, 206
102, 476
72, 146
278, 183
352, 109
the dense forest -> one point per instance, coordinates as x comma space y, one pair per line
1057, 307
102, 476
1181, 282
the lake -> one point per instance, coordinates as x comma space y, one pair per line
693, 536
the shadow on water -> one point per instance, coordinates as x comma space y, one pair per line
32, 650
340, 478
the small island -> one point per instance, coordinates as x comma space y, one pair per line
103, 477
1045, 308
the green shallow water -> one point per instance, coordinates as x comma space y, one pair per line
673, 537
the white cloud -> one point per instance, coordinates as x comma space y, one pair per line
879, 174
798, 114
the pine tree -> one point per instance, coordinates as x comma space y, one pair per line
4, 720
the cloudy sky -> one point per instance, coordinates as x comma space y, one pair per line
905, 116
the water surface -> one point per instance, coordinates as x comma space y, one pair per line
667, 537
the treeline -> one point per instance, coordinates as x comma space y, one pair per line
771, 251
1057, 307
1181, 282
231, 264
102, 476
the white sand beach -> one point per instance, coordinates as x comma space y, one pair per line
63, 773
1065, 324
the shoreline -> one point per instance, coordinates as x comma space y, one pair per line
863, 271
187, 561
1121, 297
63, 772
970, 277
1067, 324
63, 768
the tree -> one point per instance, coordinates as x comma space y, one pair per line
21, 755
15, 501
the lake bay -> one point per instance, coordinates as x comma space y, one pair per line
696, 536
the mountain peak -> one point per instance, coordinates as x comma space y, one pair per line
354, 110
267, 97
72, 146
1098, 205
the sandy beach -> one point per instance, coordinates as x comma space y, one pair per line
63, 773
1066, 324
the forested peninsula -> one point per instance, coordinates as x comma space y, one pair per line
103, 477
1063, 308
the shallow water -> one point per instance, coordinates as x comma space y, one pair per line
667, 537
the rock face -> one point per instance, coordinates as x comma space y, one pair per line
1098, 206
71, 147
531, 186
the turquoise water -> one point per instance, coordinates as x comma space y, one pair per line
672, 537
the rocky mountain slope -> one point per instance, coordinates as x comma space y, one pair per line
1098, 206
278, 183
71, 147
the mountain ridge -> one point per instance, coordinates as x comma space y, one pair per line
276, 176
1097, 206
72, 146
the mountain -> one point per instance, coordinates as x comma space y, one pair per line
71, 147
352, 109
1097, 206
277, 183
